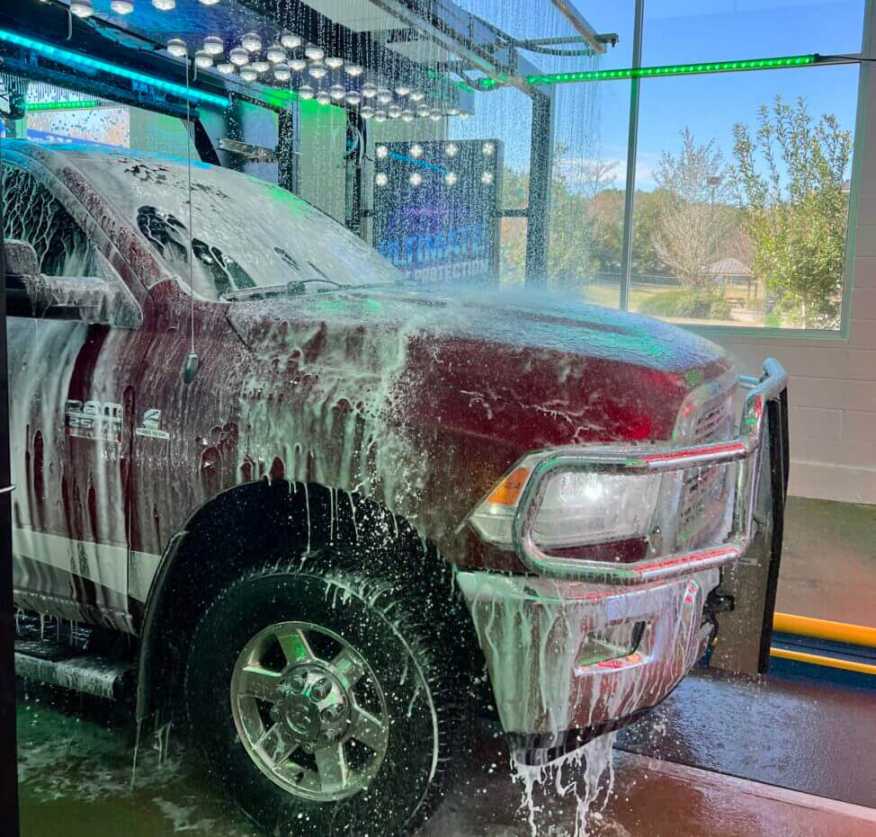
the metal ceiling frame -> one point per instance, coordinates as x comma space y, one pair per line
581, 26
49, 23
481, 46
94, 37
460, 33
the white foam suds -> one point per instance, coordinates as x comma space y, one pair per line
585, 775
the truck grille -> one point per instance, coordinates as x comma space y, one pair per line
703, 490
714, 422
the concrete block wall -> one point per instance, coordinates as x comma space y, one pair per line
832, 387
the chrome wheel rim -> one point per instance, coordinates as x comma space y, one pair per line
309, 711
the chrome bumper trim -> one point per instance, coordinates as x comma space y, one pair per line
745, 449
532, 630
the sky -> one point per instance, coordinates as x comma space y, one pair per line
592, 119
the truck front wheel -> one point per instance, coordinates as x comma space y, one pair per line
322, 701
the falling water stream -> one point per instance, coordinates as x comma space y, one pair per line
585, 775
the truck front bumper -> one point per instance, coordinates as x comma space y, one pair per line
584, 644
542, 637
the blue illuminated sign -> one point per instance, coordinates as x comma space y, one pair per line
435, 207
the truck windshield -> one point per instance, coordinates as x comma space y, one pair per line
246, 233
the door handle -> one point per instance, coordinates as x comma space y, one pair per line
7, 489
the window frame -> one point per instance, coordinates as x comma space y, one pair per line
48, 180
718, 332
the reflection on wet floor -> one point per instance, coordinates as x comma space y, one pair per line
802, 733
75, 772
655, 799
75, 759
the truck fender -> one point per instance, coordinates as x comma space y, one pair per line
267, 518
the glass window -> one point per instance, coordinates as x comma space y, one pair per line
60, 116
742, 210
587, 193
504, 114
33, 214
589, 144
56, 116
512, 255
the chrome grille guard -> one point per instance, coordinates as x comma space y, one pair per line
765, 404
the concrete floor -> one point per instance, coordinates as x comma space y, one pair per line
653, 798
75, 773
828, 568
806, 735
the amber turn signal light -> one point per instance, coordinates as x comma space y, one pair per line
508, 492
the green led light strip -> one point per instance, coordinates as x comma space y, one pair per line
278, 98
75, 59
668, 70
78, 104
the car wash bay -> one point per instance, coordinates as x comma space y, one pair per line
625, 158
724, 755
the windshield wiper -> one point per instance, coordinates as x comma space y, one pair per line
298, 287
293, 288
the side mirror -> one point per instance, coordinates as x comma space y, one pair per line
21, 258
89, 299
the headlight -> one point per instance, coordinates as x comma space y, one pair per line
578, 508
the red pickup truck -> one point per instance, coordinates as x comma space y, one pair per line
321, 502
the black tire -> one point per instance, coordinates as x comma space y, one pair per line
406, 649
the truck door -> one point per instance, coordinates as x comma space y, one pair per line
72, 402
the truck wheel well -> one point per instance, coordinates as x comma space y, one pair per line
244, 527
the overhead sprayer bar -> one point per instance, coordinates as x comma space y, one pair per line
580, 25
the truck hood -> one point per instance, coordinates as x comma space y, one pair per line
517, 318
424, 398
527, 368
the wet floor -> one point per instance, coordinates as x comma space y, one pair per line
806, 734
828, 568
75, 772
651, 798
75, 757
